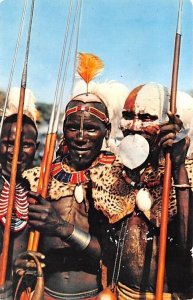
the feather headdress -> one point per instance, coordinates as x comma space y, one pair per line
113, 94
89, 66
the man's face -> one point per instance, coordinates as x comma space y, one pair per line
141, 123
27, 147
84, 134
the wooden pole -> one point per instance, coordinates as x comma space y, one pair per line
53, 125
6, 236
43, 183
7, 229
167, 173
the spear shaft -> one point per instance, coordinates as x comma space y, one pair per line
51, 137
168, 166
7, 229
43, 185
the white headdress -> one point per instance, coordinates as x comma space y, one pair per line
113, 94
153, 98
29, 103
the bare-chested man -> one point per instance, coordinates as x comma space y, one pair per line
149, 131
28, 146
69, 222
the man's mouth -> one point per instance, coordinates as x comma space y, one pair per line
81, 152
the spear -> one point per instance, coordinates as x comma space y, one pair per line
167, 173
13, 64
7, 229
44, 177
50, 143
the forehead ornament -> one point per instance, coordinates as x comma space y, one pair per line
92, 110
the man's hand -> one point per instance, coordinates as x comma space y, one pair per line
168, 135
25, 263
6, 290
44, 218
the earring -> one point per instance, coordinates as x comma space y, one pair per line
62, 148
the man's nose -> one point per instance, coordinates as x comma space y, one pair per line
136, 125
10, 149
80, 136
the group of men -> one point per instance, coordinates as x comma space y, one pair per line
100, 224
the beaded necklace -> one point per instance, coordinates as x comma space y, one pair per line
20, 209
61, 171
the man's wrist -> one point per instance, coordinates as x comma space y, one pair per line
177, 166
182, 186
177, 171
6, 290
180, 178
64, 229
78, 239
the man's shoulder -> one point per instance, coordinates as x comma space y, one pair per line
32, 176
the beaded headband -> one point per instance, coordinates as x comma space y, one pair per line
92, 110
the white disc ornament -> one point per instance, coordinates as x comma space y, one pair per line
133, 150
144, 199
78, 193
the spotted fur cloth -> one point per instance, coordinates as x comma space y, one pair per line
111, 194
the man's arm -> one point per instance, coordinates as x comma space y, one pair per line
44, 218
178, 152
184, 207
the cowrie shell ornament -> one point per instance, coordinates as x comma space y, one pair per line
78, 193
144, 199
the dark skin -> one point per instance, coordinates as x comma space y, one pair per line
28, 147
139, 261
70, 271
83, 142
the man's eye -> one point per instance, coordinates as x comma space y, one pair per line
128, 115
28, 145
91, 129
72, 128
146, 120
147, 117
9, 144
